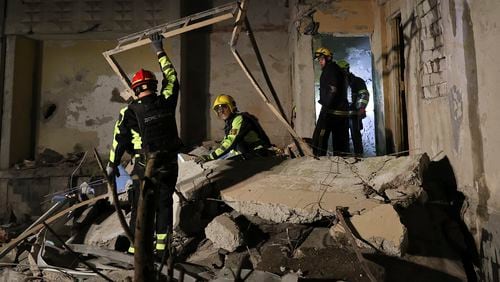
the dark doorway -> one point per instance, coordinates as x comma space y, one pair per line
23, 87
400, 141
357, 51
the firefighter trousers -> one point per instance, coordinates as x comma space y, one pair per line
164, 178
355, 126
330, 124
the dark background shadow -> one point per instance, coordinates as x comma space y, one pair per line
435, 225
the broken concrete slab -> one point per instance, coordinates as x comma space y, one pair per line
196, 183
224, 233
305, 190
379, 228
395, 172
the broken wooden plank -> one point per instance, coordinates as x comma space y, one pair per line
12, 244
240, 20
101, 252
77, 256
360, 257
129, 259
181, 26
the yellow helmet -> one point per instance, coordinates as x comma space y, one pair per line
322, 51
224, 99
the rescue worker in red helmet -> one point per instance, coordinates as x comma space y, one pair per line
244, 136
333, 117
147, 125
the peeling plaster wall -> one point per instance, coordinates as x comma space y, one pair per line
452, 71
87, 94
484, 116
346, 17
269, 21
379, 45
74, 74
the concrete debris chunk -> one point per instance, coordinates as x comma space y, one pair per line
105, 233
380, 227
224, 233
395, 172
49, 156
305, 190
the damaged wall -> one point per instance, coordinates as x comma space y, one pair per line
451, 72
78, 93
86, 92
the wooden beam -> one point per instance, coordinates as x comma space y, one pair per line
119, 71
240, 19
172, 33
12, 244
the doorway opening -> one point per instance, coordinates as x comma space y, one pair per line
357, 51
21, 85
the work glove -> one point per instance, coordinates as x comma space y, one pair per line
202, 159
156, 42
112, 171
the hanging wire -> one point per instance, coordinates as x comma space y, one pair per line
77, 168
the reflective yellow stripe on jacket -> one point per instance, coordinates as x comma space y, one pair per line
229, 138
169, 73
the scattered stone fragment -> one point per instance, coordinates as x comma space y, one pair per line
224, 233
378, 228
105, 233
49, 156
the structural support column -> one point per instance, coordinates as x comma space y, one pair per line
5, 140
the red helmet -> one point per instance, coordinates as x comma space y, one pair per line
143, 77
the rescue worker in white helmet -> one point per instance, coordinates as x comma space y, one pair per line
333, 117
357, 106
244, 136
145, 126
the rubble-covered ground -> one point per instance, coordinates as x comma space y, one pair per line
273, 219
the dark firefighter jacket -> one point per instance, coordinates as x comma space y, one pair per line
243, 134
148, 124
333, 88
360, 95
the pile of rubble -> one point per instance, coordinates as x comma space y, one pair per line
272, 219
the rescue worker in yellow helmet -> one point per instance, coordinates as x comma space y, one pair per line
244, 136
147, 125
333, 117
358, 101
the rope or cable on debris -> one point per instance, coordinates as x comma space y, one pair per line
77, 168
75, 254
